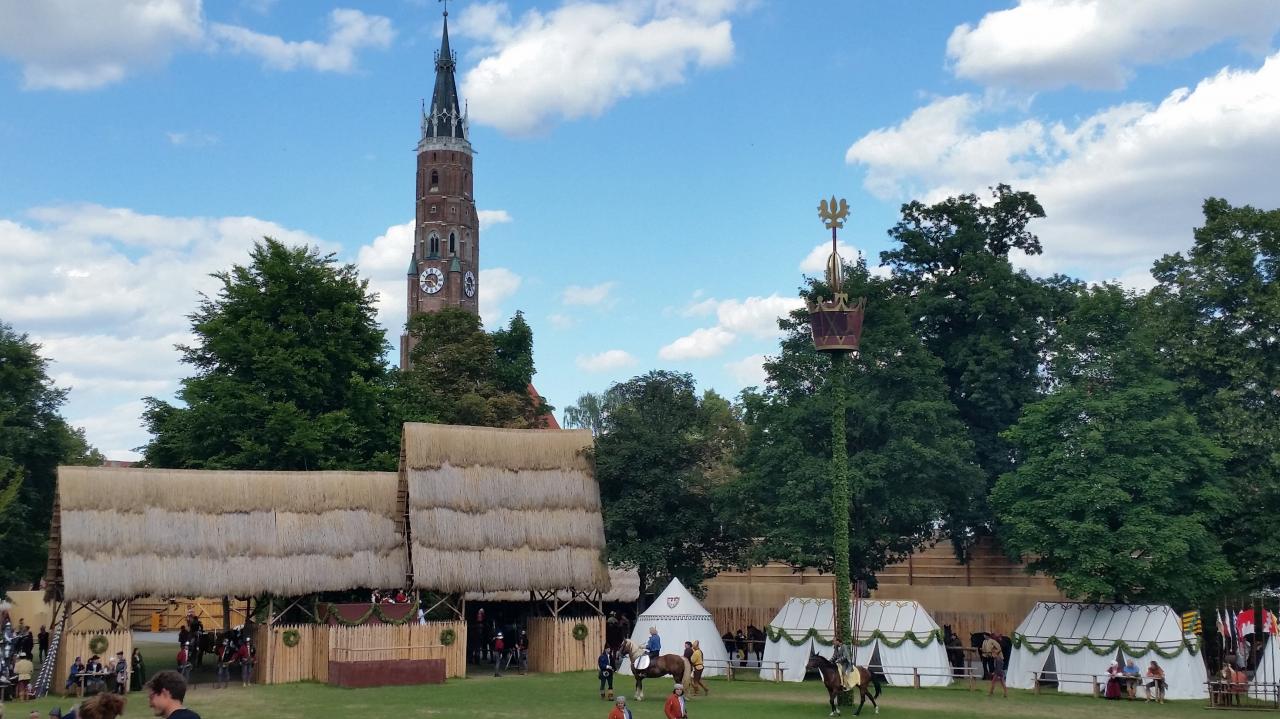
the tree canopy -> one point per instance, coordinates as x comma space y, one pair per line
34, 440
289, 372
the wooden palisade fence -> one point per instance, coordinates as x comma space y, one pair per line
553, 649
317, 644
76, 644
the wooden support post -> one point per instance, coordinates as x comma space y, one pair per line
1096, 689
1036, 681
915, 677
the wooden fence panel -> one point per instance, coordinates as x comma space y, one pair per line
553, 649
966, 623
76, 644
308, 660
731, 619
401, 641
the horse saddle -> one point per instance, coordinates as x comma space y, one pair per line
641, 663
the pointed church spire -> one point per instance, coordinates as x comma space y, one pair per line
446, 118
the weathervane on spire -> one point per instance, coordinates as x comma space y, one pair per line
446, 7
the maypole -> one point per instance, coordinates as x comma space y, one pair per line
836, 326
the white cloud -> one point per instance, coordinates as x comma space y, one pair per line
349, 31
561, 321
592, 296
815, 263
756, 316
748, 371
1043, 44
582, 58
385, 263
489, 218
193, 138
1121, 187
76, 45
495, 287
605, 361
106, 291
700, 344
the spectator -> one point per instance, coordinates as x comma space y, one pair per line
522, 651
139, 671
166, 690
121, 670
688, 650
1156, 674
244, 655
77, 668
605, 672
103, 706
43, 640
620, 710
992, 647
1132, 676
675, 707
24, 669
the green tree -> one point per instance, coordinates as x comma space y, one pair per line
909, 457
590, 412
289, 372
658, 504
1116, 490
1216, 315
464, 375
34, 440
984, 320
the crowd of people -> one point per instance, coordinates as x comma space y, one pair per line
18, 659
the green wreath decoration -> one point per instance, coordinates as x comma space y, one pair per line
775, 634
99, 644
291, 638
448, 636
1134, 650
580, 632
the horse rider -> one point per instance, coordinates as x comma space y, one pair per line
654, 645
843, 659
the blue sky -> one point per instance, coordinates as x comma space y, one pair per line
648, 170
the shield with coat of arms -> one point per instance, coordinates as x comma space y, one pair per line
672, 602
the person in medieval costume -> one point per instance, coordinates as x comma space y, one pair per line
843, 659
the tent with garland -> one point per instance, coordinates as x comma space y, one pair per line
680, 618
1074, 638
894, 635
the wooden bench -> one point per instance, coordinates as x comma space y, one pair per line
1040, 677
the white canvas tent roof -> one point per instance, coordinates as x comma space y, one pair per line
807, 624
1059, 631
1268, 669
680, 618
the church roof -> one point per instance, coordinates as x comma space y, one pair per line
444, 117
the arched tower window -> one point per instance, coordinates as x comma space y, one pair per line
435, 181
435, 246
453, 244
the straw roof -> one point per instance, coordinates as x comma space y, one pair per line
135, 532
496, 510
624, 587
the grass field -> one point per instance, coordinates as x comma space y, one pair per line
575, 695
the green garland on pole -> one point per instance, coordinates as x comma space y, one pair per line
1102, 650
775, 634
840, 496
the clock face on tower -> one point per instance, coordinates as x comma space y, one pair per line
469, 284
432, 280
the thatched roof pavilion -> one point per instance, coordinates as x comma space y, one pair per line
494, 510
125, 532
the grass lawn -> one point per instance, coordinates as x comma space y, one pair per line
575, 695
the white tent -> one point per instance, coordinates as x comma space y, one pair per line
679, 619
804, 625
1268, 670
1053, 637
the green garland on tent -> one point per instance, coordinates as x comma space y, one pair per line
376, 609
1138, 651
775, 634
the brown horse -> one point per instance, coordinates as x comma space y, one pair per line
831, 679
673, 664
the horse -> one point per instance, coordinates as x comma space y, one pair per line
831, 679
673, 664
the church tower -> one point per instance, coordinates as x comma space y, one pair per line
444, 270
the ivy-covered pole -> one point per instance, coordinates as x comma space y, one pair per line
836, 325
